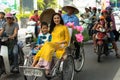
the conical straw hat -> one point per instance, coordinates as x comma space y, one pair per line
65, 8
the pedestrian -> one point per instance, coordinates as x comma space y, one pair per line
70, 16
60, 40
36, 18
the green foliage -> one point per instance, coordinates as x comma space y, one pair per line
25, 15
85, 34
44, 4
52, 4
40, 4
35, 39
7, 10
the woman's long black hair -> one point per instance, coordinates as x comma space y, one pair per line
52, 24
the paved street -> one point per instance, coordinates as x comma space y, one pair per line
108, 69
92, 70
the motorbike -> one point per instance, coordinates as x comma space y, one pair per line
30, 32
4, 57
102, 43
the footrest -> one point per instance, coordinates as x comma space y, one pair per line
31, 71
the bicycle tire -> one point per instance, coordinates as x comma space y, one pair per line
79, 62
68, 68
28, 62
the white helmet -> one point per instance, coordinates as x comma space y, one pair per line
13, 12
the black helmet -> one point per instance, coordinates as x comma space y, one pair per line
2, 13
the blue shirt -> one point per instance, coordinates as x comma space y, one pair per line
42, 38
71, 18
2, 21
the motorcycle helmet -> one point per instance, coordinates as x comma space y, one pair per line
94, 8
13, 12
101, 17
1, 12
109, 8
104, 11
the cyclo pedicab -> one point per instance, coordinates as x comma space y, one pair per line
61, 69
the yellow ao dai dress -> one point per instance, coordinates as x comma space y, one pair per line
59, 34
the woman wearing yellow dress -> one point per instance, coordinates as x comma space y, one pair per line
60, 40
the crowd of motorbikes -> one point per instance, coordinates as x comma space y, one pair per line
103, 43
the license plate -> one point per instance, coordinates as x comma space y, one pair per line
29, 71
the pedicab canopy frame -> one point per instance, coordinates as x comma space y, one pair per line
46, 15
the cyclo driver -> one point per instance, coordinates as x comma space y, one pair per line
10, 29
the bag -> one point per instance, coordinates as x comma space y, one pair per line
116, 33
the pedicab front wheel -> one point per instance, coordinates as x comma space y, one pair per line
68, 68
79, 62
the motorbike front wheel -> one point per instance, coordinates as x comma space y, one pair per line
99, 52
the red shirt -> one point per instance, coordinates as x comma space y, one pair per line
35, 18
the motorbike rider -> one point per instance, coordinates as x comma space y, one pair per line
10, 29
93, 18
110, 14
110, 24
86, 13
100, 24
2, 19
109, 28
35, 18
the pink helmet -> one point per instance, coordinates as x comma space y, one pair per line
9, 15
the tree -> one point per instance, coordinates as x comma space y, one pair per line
40, 4
52, 4
43, 4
